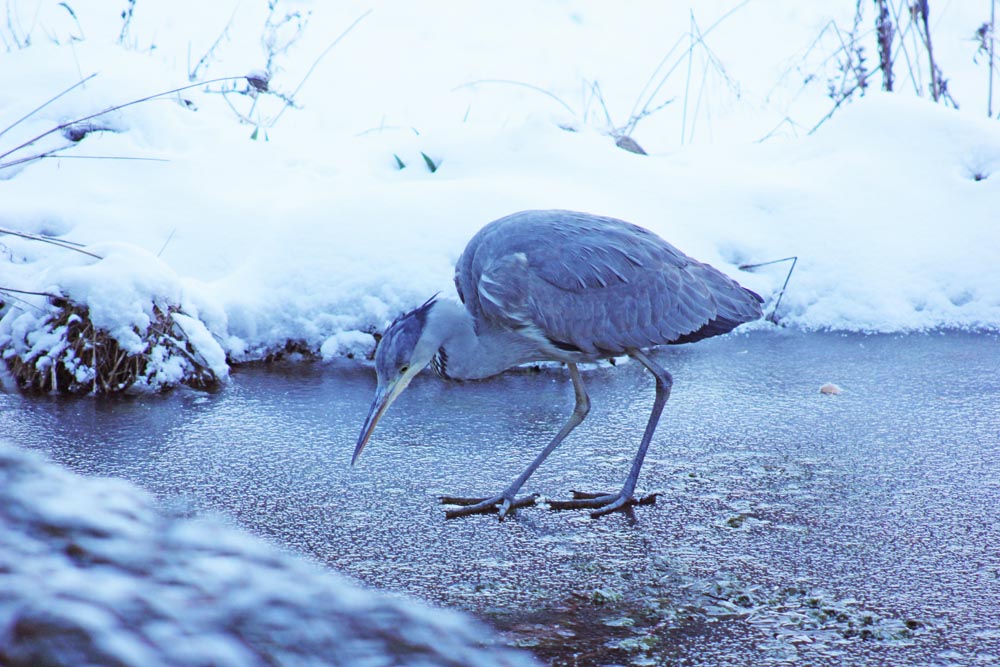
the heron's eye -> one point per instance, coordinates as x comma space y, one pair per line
403, 369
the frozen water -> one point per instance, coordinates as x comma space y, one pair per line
848, 529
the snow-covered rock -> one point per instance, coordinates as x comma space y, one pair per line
92, 572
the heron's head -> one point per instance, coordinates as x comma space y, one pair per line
404, 351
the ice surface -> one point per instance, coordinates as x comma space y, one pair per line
849, 530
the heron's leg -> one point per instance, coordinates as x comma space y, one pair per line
506, 500
605, 504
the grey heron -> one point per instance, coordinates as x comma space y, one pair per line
567, 287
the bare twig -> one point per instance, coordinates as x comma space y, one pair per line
652, 77
7, 294
316, 62
710, 60
133, 158
786, 121
193, 73
923, 10
170, 237
920, 15
687, 79
837, 104
45, 104
773, 317
885, 31
111, 109
126, 21
913, 72
24, 291
76, 20
243, 118
522, 84
597, 93
992, 43
46, 239
56, 153
24, 39
37, 156
701, 40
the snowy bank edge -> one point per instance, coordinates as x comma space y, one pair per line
93, 571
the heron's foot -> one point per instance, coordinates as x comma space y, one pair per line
503, 505
603, 503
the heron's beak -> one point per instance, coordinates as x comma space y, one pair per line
384, 396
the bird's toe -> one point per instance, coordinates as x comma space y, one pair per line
502, 505
602, 503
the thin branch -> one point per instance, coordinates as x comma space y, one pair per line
599, 94
522, 84
45, 104
634, 120
992, 38
56, 154
6, 291
334, 43
663, 80
836, 105
37, 156
773, 317
687, 79
46, 239
652, 77
193, 73
906, 52
885, 31
167, 242
805, 54
710, 60
243, 118
784, 121
105, 157
697, 104
914, 36
116, 107
382, 128
76, 20
24, 291
924, 9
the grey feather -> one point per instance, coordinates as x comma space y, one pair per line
596, 284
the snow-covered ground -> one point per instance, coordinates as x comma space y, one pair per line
311, 233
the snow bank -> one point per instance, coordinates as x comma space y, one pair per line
91, 572
890, 207
316, 237
109, 318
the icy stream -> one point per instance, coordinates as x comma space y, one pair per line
859, 528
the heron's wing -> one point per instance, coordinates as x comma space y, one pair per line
597, 284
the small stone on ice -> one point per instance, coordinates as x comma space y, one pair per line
830, 388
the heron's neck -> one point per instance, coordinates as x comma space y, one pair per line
471, 354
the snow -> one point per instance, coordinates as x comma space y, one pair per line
93, 572
312, 234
